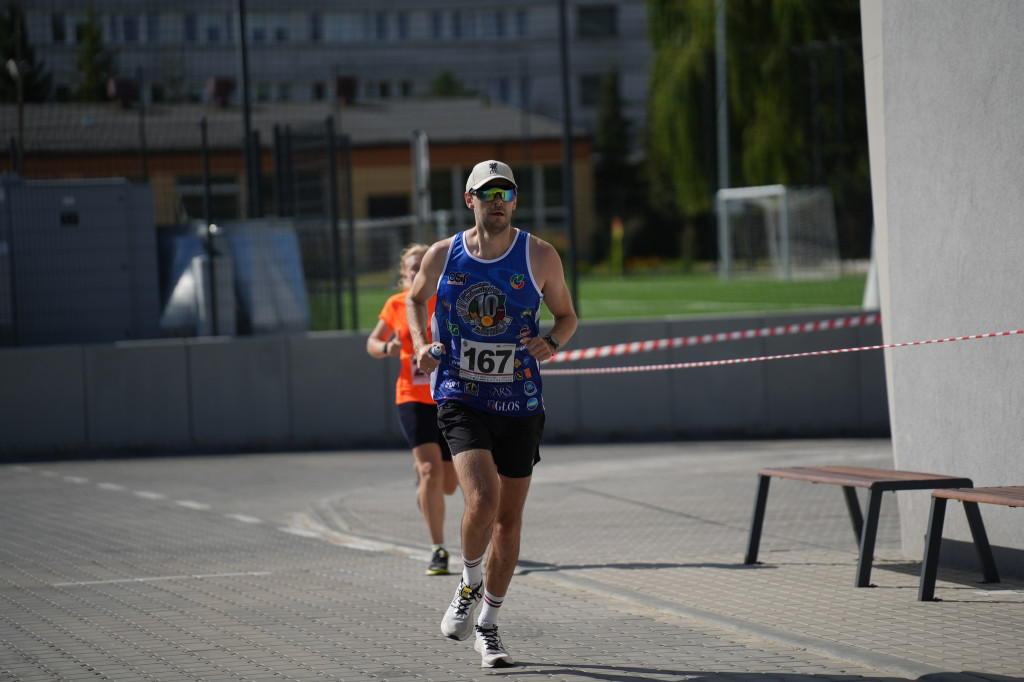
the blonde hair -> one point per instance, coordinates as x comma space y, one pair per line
411, 250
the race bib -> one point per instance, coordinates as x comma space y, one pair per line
418, 376
490, 362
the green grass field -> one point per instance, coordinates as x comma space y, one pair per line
651, 296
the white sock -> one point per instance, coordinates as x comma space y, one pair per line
489, 612
472, 571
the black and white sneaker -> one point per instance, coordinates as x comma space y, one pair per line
488, 645
438, 562
458, 619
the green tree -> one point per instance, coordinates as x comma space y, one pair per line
95, 62
36, 80
614, 176
796, 99
446, 84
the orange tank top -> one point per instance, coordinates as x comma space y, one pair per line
413, 386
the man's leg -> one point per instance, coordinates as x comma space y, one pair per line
506, 533
478, 478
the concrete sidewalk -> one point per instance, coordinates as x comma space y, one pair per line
301, 566
664, 527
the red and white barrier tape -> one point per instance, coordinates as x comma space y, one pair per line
696, 340
737, 361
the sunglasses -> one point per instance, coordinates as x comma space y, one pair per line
492, 193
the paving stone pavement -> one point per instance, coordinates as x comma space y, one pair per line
302, 566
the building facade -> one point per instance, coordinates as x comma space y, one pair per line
359, 49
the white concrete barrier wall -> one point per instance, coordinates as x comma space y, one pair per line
321, 390
945, 93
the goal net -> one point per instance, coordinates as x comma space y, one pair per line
777, 231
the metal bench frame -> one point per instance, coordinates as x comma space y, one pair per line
877, 481
1010, 496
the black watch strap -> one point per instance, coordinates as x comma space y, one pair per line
553, 340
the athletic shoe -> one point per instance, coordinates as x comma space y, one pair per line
488, 645
438, 562
458, 619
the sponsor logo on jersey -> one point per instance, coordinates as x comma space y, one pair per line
517, 281
450, 385
501, 391
472, 388
503, 405
457, 278
529, 388
482, 306
453, 328
532, 404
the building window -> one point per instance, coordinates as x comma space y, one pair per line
590, 90
224, 196
403, 25
316, 27
112, 32
58, 28
597, 21
152, 27
130, 28
213, 33
191, 28
380, 26
284, 92
319, 91
522, 23
408, 88
437, 25
492, 24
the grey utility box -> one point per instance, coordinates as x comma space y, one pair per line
81, 261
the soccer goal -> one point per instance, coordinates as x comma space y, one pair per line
777, 230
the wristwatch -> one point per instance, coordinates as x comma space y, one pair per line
553, 340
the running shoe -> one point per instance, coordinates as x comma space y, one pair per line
458, 619
438, 562
488, 645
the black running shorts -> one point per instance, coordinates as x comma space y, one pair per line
419, 425
514, 442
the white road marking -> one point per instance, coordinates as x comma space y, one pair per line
301, 532
110, 486
244, 518
150, 495
162, 577
192, 504
76, 479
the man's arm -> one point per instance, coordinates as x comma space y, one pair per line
417, 301
547, 270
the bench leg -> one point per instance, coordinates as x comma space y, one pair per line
981, 545
757, 519
853, 506
930, 565
867, 539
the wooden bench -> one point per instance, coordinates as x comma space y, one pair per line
1008, 496
877, 481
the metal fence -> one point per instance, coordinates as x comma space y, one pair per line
127, 244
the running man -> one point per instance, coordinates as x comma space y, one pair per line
489, 281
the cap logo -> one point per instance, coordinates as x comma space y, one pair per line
494, 168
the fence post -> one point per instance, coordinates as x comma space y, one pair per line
332, 214
352, 282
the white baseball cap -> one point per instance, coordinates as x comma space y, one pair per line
485, 171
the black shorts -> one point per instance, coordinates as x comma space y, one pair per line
514, 442
419, 425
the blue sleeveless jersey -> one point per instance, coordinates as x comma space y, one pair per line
483, 310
